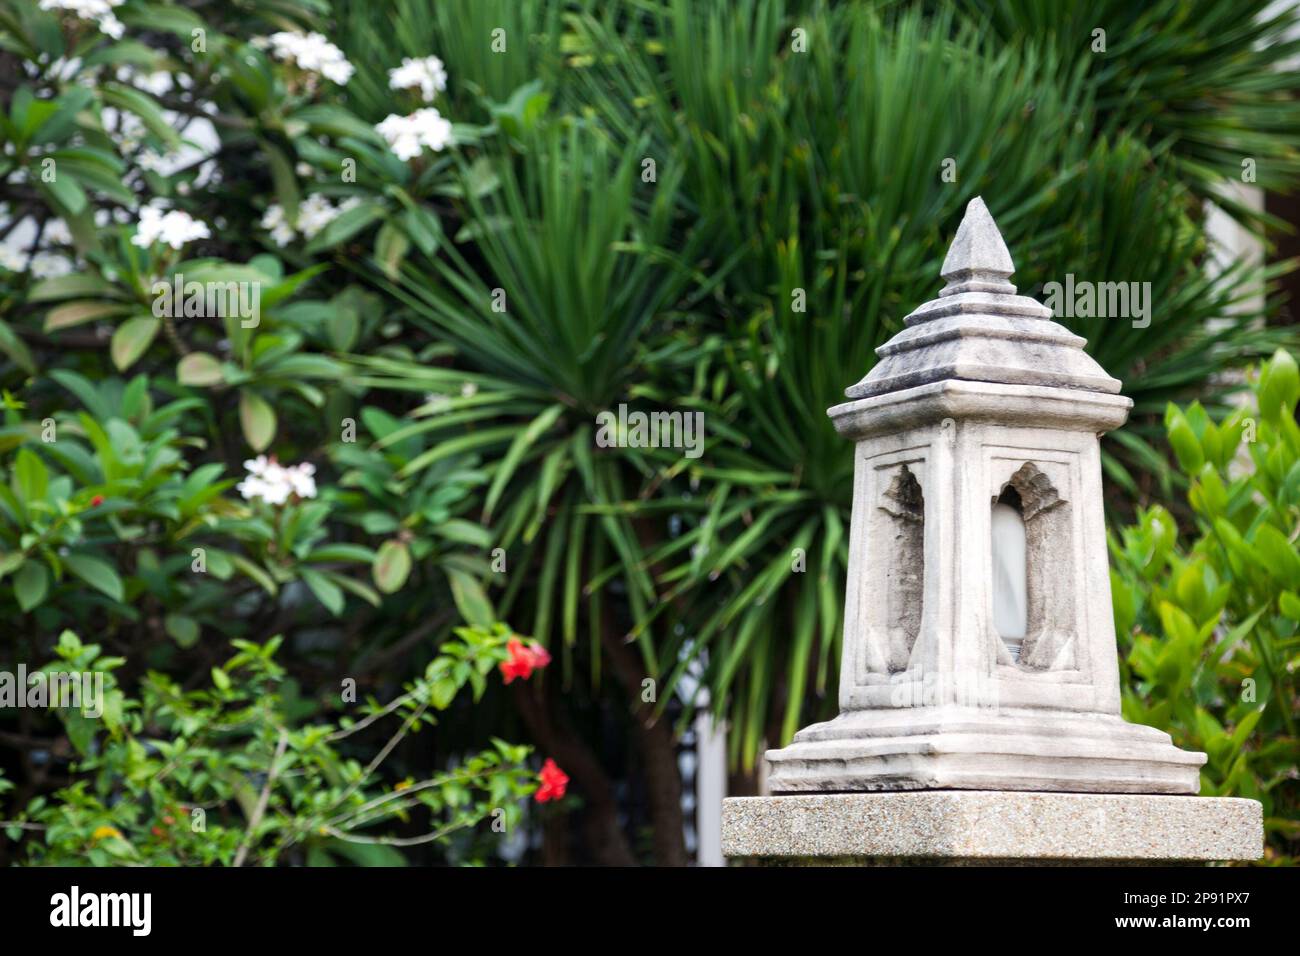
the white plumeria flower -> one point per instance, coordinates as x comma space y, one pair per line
158, 82
437, 402
427, 75
152, 160
57, 233
50, 265
174, 228
272, 492
11, 258
302, 480
314, 214
277, 224
408, 135
311, 52
273, 483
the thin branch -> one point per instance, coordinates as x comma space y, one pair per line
396, 841
377, 715
263, 799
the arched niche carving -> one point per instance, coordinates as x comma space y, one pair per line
1049, 641
904, 502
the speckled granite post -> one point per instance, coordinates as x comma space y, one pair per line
957, 742
965, 827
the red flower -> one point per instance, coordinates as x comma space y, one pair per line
524, 659
554, 781
97, 500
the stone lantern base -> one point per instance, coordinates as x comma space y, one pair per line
987, 827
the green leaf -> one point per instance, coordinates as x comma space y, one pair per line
254, 571
16, 349
199, 368
523, 441
1289, 603
131, 340
342, 552
8, 562
31, 584
326, 591
283, 179
64, 191
31, 477
363, 591
391, 246
183, 630
85, 310
1186, 446
336, 121
470, 598
257, 418
74, 283
392, 566
343, 325
465, 532
99, 574
1279, 386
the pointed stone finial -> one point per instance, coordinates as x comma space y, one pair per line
978, 258
977, 329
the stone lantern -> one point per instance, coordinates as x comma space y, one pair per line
979, 687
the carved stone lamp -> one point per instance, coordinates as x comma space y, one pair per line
979, 688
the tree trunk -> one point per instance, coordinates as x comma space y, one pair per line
658, 751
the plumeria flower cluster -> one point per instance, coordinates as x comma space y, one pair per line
407, 136
174, 228
427, 75
156, 82
100, 11
20, 251
311, 52
42, 265
523, 660
314, 214
273, 482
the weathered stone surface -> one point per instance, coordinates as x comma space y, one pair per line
974, 748
990, 826
979, 330
978, 252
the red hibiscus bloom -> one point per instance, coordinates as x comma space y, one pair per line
554, 781
97, 500
524, 659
